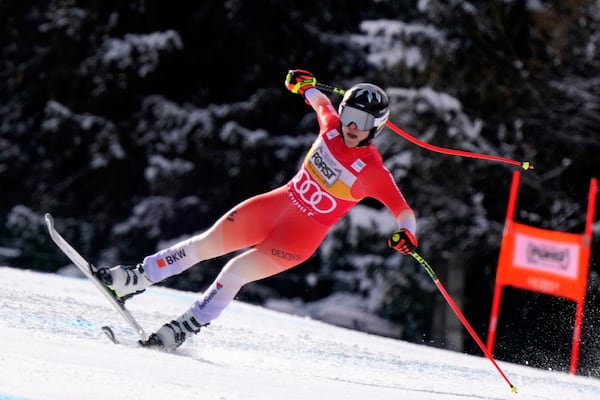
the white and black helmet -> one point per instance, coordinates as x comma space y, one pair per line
366, 105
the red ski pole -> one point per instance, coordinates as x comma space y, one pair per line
460, 315
523, 164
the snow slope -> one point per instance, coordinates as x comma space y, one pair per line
51, 347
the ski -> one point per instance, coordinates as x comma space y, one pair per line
86, 268
151, 343
110, 334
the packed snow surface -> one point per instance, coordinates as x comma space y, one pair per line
52, 347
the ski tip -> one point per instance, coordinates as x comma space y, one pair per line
513, 389
110, 334
49, 219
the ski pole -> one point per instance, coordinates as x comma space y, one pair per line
460, 315
523, 164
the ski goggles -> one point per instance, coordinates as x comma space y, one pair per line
363, 120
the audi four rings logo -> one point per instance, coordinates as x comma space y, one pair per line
312, 194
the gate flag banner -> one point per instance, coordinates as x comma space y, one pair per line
544, 261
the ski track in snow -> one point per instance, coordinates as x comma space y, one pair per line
52, 347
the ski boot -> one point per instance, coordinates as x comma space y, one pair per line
172, 334
125, 281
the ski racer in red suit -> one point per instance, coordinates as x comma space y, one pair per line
341, 168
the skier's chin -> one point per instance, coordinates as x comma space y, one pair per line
351, 140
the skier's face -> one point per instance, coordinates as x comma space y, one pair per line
352, 135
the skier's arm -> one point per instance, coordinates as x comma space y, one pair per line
381, 186
303, 82
384, 189
407, 220
317, 99
403, 239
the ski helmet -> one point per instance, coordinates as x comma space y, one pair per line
366, 105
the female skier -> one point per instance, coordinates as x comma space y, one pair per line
341, 168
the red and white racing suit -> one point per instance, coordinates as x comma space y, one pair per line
284, 227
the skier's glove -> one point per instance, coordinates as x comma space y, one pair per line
299, 80
403, 241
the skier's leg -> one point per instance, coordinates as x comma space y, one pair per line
280, 251
247, 224
292, 241
250, 266
214, 300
